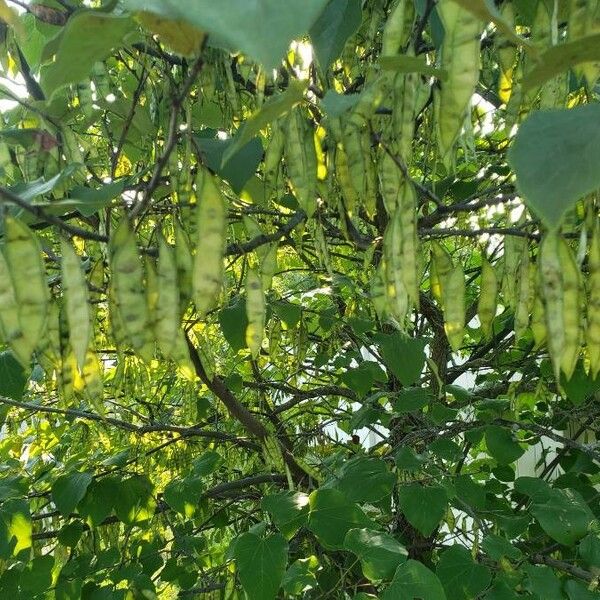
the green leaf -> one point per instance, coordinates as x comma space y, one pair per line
501, 445
206, 464
262, 29
261, 564
289, 313
234, 321
329, 33
37, 577
404, 356
273, 108
335, 105
332, 515
462, 578
471, 493
70, 534
300, 576
239, 168
589, 550
407, 460
542, 582
365, 479
13, 377
288, 509
556, 160
68, 490
580, 386
15, 528
578, 591
496, 547
183, 495
135, 503
379, 553
414, 580
411, 399
98, 502
501, 590
88, 37
89, 201
403, 63
423, 507
39, 187
358, 379
560, 58
565, 516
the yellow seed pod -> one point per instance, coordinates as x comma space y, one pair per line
207, 273
550, 270
409, 250
538, 317
79, 315
592, 332
571, 290
378, 292
185, 266
454, 307
488, 298
128, 292
25, 266
301, 160
255, 311
394, 278
10, 327
524, 295
441, 267
460, 59
397, 28
167, 325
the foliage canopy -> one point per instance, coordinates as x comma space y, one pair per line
299, 299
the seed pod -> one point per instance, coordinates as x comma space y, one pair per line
255, 311
356, 167
167, 325
93, 386
592, 334
301, 161
268, 266
513, 253
397, 28
571, 290
127, 290
403, 116
86, 102
552, 292
369, 100
538, 317
391, 180
24, 262
409, 250
394, 280
185, 265
79, 317
454, 307
441, 267
208, 263
524, 295
488, 298
377, 292
273, 156
460, 59
584, 20
370, 199
10, 327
